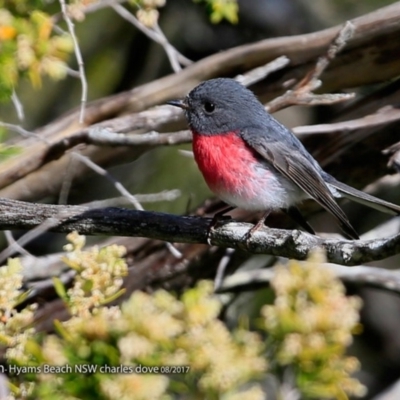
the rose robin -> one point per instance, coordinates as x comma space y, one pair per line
252, 161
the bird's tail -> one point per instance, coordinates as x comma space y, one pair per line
363, 198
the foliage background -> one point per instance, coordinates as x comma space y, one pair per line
118, 57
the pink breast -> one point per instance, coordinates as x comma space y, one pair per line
224, 160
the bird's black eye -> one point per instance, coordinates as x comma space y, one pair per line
209, 107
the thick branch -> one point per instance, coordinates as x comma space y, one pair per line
190, 229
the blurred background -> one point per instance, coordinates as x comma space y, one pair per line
118, 57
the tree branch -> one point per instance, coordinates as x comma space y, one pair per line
302, 92
384, 116
362, 275
189, 229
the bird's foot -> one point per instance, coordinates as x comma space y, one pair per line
249, 234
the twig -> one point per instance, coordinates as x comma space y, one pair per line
101, 171
190, 229
39, 289
93, 7
257, 74
181, 59
219, 277
44, 226
302, 93
42, 268
311, 81
169, 50
79, 59
104, 137
19, 108
15, 245
73, 73
175, 58
306, 99
23, 132
165, 195
384, 116
173, 250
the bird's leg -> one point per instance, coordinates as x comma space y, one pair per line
215, 219
256, 227
219, 214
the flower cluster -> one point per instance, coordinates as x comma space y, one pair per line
157, 330
99, 275
147, 12
15, 326
310, 325
29, 48
192, 351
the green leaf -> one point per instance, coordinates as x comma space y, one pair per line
22, 297
58, 326
60, 289
113, 297
222, 9
34, 349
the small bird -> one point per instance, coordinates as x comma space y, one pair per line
252, 161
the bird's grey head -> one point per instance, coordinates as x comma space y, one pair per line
220, 106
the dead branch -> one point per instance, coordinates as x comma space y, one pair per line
190, 229
362, 275
383, 116
103, 137
257, 74
303, 91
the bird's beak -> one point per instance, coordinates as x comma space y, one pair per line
179, 103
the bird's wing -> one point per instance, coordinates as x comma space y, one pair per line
363, 198
299, 170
